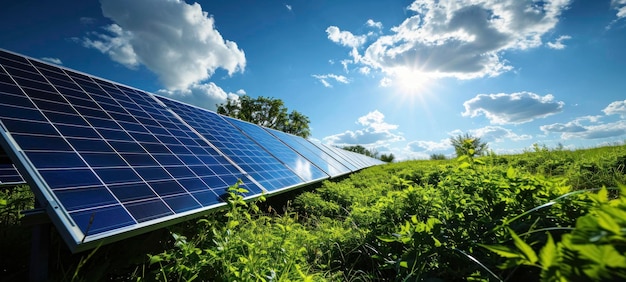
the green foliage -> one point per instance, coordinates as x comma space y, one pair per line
242, 248
437, 157
361, 150
595, 250
387, 158
468, 145
540, 215
268, 112
13, 200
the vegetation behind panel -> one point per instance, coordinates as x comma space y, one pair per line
545, 214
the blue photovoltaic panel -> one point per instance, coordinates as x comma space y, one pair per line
314, 154
351, 157
8, 172
333, 153
111, 157
262, 167
296, 162
108, 161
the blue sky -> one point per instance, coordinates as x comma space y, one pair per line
399, 77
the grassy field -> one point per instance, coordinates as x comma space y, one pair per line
546, 214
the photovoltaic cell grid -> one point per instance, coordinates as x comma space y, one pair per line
107, 159
263, 167
111, 157
8, 172
314, 154
296, 162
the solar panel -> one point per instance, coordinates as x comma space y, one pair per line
314, 154
8, 173
296, 162
108, 158
256, 161
109, 161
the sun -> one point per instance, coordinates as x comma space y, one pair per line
411, 82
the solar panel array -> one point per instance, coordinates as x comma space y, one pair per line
109, 161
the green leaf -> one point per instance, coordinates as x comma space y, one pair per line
404, 264
511, 173
548, 255
607, 222
387, 239
603, 195
503, 251
528, 252
155, 259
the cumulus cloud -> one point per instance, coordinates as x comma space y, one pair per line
345, 38
324, 79
461, 39
206, 95
558, 43
372, 23
364, 70
571, 130
620, 6
53, 60
591, 127
375, 133
430, 146
385, 82
498, 134
587, 127
175, 40
616, 108
514, 108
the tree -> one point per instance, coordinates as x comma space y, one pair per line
268, 112
437, 157
468, 145
387, 158
361, 150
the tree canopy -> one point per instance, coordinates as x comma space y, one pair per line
268, 112
468, 145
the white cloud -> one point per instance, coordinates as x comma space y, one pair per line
498, 134
323, 78
616, 108
375, 120
590, 127
462, 39
515, 108
372, 23
345, 38
288, 7
53, 60
175, 40
571, 130
206, 95
375, 133
620, 6
430, 146
558, 43
385, 82
364, 70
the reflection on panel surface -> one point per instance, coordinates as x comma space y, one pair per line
296, 162
108, 161
252, 158
108, 155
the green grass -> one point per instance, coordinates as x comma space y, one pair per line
406, 221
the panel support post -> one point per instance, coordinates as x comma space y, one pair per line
39, 244
39, 253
